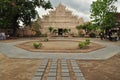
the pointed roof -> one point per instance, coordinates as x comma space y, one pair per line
60, 6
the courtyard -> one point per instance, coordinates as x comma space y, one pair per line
21, 64
59, 40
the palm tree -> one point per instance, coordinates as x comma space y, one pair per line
50, 29
65, 31
54, 31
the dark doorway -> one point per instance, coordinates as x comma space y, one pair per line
60, 31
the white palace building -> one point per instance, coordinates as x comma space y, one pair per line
60, 18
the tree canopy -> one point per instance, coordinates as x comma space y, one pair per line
12, 12
35, 25
103, 13
87, 26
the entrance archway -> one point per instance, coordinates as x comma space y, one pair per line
60, 31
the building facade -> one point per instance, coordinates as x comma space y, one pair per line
60, 19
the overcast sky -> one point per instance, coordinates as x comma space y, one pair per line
81, 8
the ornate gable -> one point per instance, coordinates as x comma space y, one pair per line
61, 17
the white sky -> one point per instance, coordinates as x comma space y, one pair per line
80, 8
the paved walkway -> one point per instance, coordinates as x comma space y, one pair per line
14, 52
58, 70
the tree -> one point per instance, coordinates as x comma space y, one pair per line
50, 29
12, 12
35, 25
79, 27
90, 26
103, 13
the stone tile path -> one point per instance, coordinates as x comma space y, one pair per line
10, 50
57, 69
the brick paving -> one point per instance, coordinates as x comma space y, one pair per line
58, 70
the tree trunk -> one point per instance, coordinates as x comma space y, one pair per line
15, 26
14, 31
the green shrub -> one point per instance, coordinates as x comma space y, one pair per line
81, 35
43, 35
38, 33
92, 35
84, 44
87, 42
81, 45
37, 45
46, 39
